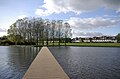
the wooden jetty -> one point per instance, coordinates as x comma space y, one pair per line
45, 66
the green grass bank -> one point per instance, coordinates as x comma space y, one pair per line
88, 44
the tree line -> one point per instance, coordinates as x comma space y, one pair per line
39, 31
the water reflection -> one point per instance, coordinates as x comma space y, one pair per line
15, 60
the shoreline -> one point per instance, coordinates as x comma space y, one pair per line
85, 45
75, 44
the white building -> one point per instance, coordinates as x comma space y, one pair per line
96, 39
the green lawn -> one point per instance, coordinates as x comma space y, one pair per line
89, 44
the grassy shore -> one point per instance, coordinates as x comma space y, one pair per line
89, 44
79, 44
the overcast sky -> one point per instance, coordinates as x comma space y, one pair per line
86, 17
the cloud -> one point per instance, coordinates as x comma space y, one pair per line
3, 34
3, 30
112, 4
52, 6
118, 10
87, 34
21, 16
92, 23
41, 12
77, 6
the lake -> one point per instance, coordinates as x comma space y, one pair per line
77, 62
89, 62
15, 60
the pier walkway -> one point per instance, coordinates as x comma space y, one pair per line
45, 66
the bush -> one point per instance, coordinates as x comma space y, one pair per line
6, 42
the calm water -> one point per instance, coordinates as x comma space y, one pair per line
14, 61
78, 62
89, 62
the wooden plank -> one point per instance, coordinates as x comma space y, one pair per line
45, 66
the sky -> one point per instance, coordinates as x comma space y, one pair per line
86, 17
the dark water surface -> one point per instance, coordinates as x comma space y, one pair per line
78, 62
89, 62
14, 61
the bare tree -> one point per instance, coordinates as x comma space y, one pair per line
67, 32
53, 30
59, 29
40, 31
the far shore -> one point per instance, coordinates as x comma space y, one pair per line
87, 44
75, 44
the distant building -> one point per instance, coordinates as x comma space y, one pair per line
104, 39
96, 39
86, 40
76, 39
